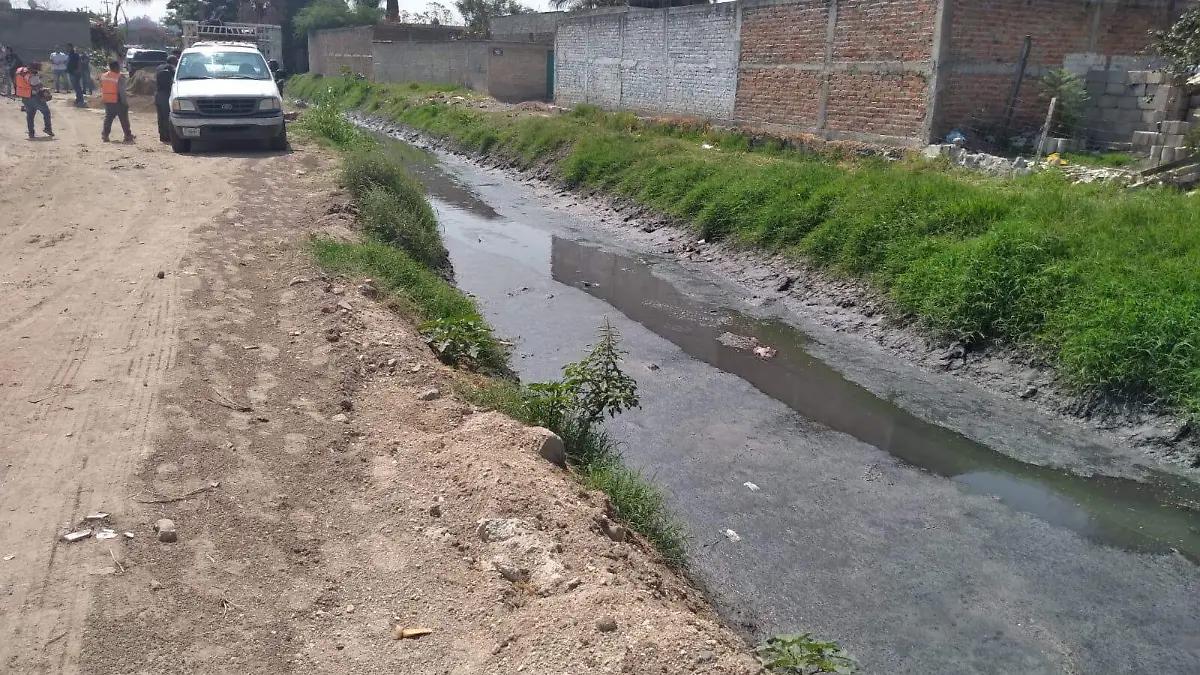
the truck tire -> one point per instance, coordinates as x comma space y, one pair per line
279, 143
180, 145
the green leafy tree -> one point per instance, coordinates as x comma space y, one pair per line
1180, 44
478, 14
200, 10
1072, 97
324, 14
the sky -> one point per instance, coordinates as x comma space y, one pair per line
155, 9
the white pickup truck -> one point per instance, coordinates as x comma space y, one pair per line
224, 91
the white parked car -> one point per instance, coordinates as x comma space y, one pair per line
225, 92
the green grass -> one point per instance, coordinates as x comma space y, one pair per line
1110, 160
1099, 281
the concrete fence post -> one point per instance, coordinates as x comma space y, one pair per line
940, 57
827, 65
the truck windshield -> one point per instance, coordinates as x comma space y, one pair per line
219, 65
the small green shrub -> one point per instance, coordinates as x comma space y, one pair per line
802, 655
325, 122
399, 221
457, 341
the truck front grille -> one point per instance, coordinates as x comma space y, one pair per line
227, 107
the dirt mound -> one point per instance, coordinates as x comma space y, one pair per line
142, 83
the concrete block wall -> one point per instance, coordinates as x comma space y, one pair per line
855, 69
507, 71
33, 34
452, 62
980, 53
538, 28
329, 50
1122, 103
671, 61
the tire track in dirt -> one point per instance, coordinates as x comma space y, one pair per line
87, 354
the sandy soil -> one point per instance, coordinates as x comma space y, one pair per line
280, 420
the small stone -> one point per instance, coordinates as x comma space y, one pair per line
349, 609
785, 283
165, 527
549, 446
430, 394
340, 417
706, 656
1029, 392
154, 585
606, 624
346, 404
161, 274
436, 510
614, 531
574, 583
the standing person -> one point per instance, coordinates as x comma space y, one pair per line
163, 80
116, 101
11, 63
75, 73
85, 71
30, 90
58, 70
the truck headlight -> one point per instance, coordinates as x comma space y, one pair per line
270, 104
183, 105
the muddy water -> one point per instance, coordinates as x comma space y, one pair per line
919, 548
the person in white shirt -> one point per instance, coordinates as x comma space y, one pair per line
58, 69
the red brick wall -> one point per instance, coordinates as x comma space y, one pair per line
873, 30
778, 96
877, 103
868, 90
985, 43
784, 33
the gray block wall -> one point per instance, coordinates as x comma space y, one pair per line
681, 60
452, 62
35, 33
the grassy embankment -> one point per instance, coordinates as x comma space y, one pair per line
1103, 283
403, 252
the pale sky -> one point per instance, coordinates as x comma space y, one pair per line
155, 9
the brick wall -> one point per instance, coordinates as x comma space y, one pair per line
984, 43
329, 50
681, 60
841, 68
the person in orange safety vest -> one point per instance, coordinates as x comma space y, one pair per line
29, 89
116, 101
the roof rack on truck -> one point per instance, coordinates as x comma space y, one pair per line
267, 37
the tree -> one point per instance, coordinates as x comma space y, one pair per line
200, 10
1180, 44
324, 14
478, 14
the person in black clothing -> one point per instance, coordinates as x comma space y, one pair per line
75, 72
162, 97
11, 63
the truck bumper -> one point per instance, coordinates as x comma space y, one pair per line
239, 128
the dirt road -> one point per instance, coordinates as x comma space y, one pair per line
275, 416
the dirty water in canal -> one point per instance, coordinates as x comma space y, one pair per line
919, 548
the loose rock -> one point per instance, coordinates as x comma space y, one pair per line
606, 624
161, 274
1029, 392
785, 283
340, 417
549, 446
436, 510
430, 394
346, 404
165, 527
706, 656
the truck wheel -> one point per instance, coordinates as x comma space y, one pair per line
279, 143
180, 145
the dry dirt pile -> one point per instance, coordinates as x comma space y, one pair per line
356, 500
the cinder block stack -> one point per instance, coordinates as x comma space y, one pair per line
1165, 145
1122, 103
